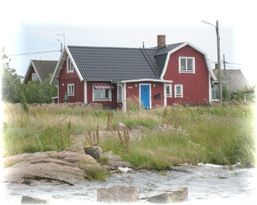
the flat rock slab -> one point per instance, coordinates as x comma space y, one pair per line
32, 200
63, 167
169, 196
118, 194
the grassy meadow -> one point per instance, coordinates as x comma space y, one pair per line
208, 134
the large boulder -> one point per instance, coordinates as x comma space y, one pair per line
32, 200
64, 167
94, 151
118, 194
169, 196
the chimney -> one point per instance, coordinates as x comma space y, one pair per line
161, 41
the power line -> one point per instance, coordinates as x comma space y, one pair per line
37, 52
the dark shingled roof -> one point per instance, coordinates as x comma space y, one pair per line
112, 63
44, 68
233, 78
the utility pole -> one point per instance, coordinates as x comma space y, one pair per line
62, 43
218, 59
224, 67
218, 56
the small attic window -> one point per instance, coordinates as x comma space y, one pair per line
186, 64
70, 67
34, 77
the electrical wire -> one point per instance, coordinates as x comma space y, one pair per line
37, 52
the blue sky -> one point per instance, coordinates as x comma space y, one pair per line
33, 26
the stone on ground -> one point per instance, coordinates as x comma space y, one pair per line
118, 194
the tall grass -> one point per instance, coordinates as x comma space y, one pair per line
213, 134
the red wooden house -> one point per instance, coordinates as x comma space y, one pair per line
159, 76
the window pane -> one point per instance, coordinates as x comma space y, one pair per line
106, 93
183, 64
190, 64
34, 77
119, 93
167, 90
98, 93
178, 90
70, 90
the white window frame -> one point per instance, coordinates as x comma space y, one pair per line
186, 58
119, 97
103, 98
72, 87
69, 66
169, 95
34, 77
182, 91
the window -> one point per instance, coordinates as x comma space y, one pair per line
168, 90
178, 91
102, 94
119, 92
34, 77
70, 68
186, 65
70, 89
215, 92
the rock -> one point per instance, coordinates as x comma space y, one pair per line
115, 161
94, 151
169, 196
122, 127
62, 167
76, 148
118, 194
124, 169
32, 200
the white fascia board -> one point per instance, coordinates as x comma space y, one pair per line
147, 79
181, 46
32, 63
57, 66
74, 63
27, 72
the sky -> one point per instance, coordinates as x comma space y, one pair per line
32, 26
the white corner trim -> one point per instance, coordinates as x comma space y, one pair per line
210, 90
181, 46
74, 63
124, 100
85, 92
57, 66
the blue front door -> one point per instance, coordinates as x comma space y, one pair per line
145, 96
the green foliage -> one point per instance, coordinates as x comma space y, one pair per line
11, 85
246, 94
96, 173
20, 140
212, 134
39, 92
14, 91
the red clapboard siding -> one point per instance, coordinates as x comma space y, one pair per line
66, 78
195, 86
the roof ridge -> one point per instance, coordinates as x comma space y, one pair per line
112, 47
42, 60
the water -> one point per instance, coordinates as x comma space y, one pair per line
211, 184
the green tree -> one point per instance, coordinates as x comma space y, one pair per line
11, 85
39, 92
